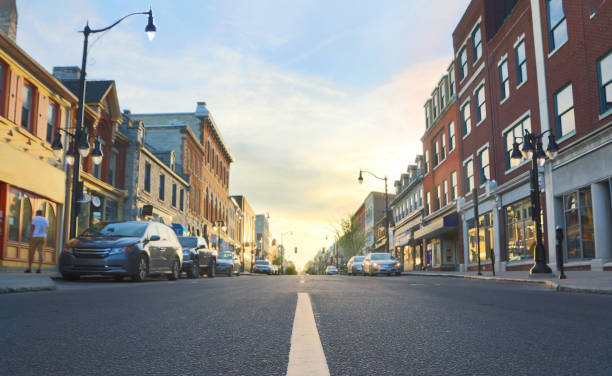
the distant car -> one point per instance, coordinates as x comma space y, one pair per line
380, 263
355, 265
331, 270
127, 248
262, 266
228, 263
197, 258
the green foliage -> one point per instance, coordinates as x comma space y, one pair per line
277, 261
351, 237
290, 270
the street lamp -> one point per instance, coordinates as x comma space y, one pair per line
218, 226
360, 179
532, 149
79, 137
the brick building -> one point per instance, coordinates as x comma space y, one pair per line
513, 75
247, 231
439, 233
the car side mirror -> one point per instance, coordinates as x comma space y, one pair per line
154, 238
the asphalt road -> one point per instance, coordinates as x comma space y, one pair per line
243, 326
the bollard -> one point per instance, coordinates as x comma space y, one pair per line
559, 236
493, 261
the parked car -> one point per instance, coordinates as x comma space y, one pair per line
228, 263
129, 248
262, 266
355, 265
197, 258
331, 270
380, 263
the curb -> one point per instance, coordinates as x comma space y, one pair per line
11, 290
550, 284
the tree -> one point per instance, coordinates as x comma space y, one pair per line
277, 261
351, 237
290, 270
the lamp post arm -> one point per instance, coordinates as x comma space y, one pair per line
87, 30
377, 177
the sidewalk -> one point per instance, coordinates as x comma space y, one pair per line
18, 281
577, 281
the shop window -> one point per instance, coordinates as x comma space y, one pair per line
27, 106
52, 226
485, 223
579, 225
557, 24
604, 70
26, 219
14, 217
111, 210
564, 111
513, 134
521, 63
520, 231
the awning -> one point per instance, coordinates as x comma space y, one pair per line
440, 227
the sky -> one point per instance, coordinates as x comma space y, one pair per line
304, 92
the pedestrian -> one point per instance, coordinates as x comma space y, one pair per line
38, 233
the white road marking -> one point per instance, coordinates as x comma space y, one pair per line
306, 356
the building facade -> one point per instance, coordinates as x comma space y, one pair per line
262, 236
247, 231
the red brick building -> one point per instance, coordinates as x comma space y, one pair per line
439, 232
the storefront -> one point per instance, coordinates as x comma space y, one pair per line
440, 241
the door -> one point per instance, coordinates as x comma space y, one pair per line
154, 247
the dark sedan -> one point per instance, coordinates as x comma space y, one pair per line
262, 266
228, 263
380, 263
197, 258
135, 249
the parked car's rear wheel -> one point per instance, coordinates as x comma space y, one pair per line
175, 272
70, 276
212, 269
142, 271
194, 272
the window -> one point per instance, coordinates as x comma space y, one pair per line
485, 224
426, 161
468, 168
442, 147
462, 64
453, 185
557, 25
513, 133
27, 101
174, 195
579, 225
51, 121
477, 43
481, 110
451, 136
504, 83
465, 119
520, 231
427, 203
436, 204
436, 153
147, 177
564, 111
444, 193
181, 200
162, 187
521, 63
442, 95
451, 81
427, 119
604, 70
485, 174
112, 167
435, 105
97, 168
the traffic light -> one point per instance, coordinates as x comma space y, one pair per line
295, 249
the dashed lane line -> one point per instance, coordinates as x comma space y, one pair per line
306, 356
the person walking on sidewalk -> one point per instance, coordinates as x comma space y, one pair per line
37, 240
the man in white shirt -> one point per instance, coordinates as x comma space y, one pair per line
37, 240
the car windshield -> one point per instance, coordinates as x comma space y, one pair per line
332, 268
225, 256
381, 256
116, 229
188, 242
358, 259
262, 262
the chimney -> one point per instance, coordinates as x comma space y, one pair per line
8, 18
66, 73
201, 110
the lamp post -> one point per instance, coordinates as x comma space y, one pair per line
532, 149
283, 250
79, 137
360, 179
218, 226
